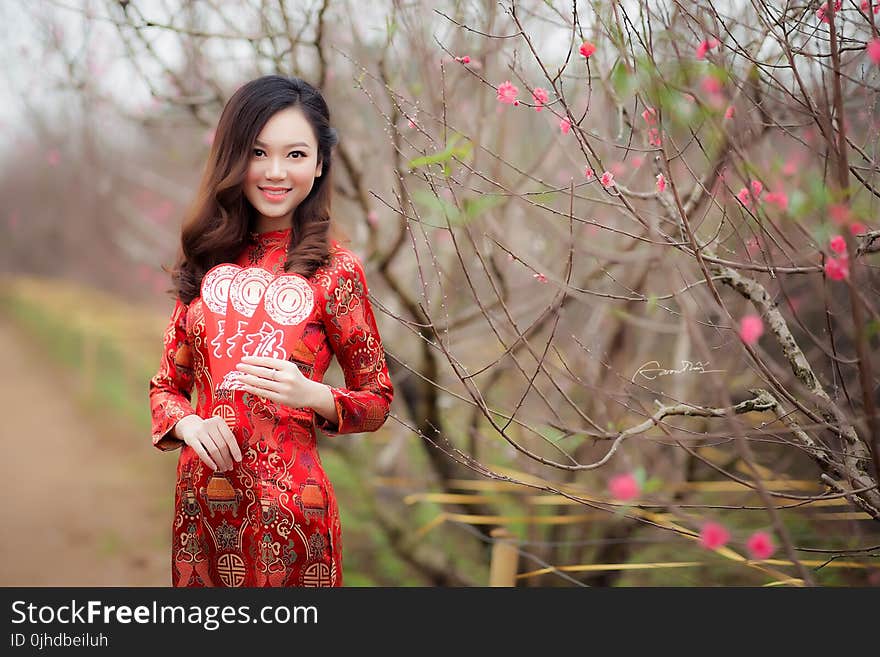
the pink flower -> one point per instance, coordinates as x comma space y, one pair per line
873, 50
654, 137
705, 46
464, 59
588, 173
865, 5
373, 217
839, 213
729, 113
857, 227
607, 179
837, 269
711, 85
541, 97
624, 487
53, 157
751, 327
565, 126
760, 545
650, 115
540, 277
779, 198
838, 244
790, 168
713, 535
617, 168
752, 246
507, 93
822, 12
757, 188
587, 49
637, 161
744, 196
661, 182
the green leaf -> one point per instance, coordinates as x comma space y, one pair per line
453, 149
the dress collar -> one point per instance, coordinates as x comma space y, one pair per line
279, 235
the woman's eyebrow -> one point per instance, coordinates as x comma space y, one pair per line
299, 143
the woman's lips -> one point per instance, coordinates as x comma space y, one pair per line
274, 196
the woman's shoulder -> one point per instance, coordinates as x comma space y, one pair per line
342, 256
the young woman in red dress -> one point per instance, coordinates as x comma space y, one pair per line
265, 298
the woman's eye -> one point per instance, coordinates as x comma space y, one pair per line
258, 151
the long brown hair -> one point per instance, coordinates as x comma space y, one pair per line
219, 220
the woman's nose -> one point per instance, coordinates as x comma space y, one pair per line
275, 169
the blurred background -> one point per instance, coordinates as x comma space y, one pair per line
626, 347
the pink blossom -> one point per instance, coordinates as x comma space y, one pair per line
711, 85
822, 12
752, 246
624, 487
857, 227
618, 168
744, 196
607, 179
757, 188
654, 137
588, 173
873, 50
373, 217
540, 277
760, 545
411, 123
541, 97
839, 213
650, 115
838, 244
507, 93
661, 182
728, 114
565, 126
587, 49
790, 168
53, 157
713, 535
751, 327
464, 59
705, 46
778, 198
865, 5
837, 269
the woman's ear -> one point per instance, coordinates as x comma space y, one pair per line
320, 169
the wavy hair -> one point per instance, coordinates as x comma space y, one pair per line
218, 223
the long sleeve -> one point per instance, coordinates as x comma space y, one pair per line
171, 388
364, 404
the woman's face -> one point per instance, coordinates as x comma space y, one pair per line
283, 157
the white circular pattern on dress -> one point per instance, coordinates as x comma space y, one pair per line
247, 289
289, 299
215, 287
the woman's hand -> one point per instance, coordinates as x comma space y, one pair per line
277, 380
211, 439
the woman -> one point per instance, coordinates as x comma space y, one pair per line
265, 298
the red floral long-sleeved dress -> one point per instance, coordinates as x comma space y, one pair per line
273, 519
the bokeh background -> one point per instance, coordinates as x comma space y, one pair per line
589, 370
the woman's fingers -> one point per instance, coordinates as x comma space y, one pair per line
231, 442
203, 455
219, 451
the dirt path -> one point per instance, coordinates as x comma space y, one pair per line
87, 498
